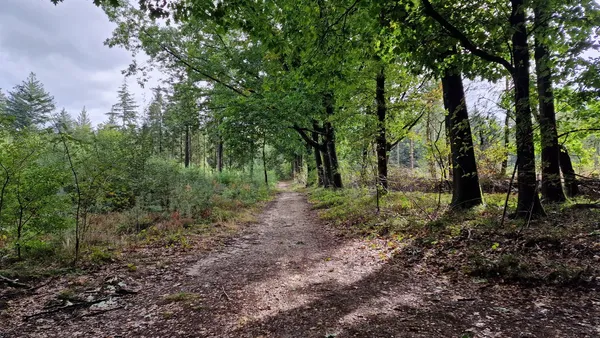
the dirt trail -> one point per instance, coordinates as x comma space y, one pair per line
291, 276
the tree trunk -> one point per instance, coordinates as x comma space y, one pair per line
506, 140
364, 164
188, 143
411, 153
327, 172
252, 164
220, 155
429, 141
528, 200
318, 158
160, 136
204, 155
3, 190
294, 167
264, 158
331, 153
380, 139
330, 144
181, 146
173, 145
571, 184
310, 168
551, 184
466, 192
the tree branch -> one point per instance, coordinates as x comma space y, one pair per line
320, 132
13, 283
307, 139
464, 40
578, 130
406, 127
197, 70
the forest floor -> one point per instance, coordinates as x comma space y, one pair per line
290, 275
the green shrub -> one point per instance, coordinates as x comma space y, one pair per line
38, 249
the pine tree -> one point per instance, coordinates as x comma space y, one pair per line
83, 120
63, 121
2, 102
29, 104
155, 119
113, 116
2, 108
126, 107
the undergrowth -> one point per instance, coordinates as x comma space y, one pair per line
200, 210
561, 249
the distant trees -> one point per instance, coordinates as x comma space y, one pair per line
341, 75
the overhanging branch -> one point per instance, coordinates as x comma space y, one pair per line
192, 67
307, 139
464, 40
407, 128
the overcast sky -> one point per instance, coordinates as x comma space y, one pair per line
64, 46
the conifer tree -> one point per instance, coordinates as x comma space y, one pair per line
64, 121
29, 104
83, 119
126, 107
113, 116
155, 119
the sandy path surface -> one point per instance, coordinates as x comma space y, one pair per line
292, 276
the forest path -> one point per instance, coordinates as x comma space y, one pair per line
290, 275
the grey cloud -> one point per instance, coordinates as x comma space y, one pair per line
63, 45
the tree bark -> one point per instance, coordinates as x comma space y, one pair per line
551, 184
264, 158
411, 153
318, 159
528, 201
310, 168
220, 155
429, 141
380, 139
327, 172
188, 144
331, 153
466, 192
504, 165
330, 143
566, 166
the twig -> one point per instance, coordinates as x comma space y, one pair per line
72, 306
14, 283
512, 179
225, 293
586, 206
42, 285
93, 313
